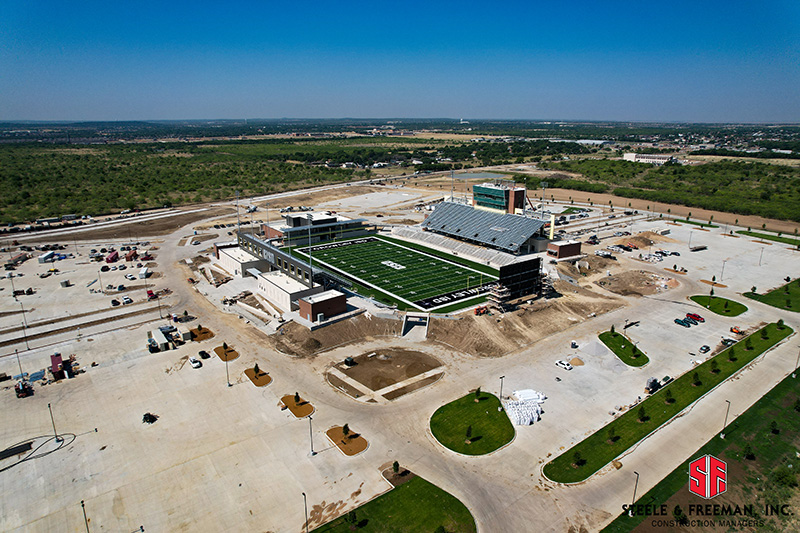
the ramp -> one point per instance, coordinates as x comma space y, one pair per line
416, 323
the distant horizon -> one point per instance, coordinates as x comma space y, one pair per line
714, 62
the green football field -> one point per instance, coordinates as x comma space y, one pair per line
416, 278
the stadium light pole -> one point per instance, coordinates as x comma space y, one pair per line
725, 423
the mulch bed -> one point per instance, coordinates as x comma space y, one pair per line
226, 355
299, 409
199, 336
676, 271
351, 445
403, 475
261, 380
713, 283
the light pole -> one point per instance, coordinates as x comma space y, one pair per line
725, 423
690, 237
723, 269
85, 520
760, 256
100, 280
13, 291
24, 327
227, 375
311, 437
635, 486
501, 388
794, 374
16, 352
58, 439
305, 508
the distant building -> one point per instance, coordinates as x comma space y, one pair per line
300, 228
653, 159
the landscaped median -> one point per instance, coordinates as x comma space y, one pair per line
784, 297
720, 306
603, 446
472, 425
624, 348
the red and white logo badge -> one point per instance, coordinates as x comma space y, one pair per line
708, 476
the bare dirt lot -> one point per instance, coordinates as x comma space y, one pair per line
637, 283
388, 366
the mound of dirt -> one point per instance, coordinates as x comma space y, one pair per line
636, 283
497, 335
297, 340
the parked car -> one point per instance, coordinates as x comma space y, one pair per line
203, 354
130, 277
695, 316
126, 300
691, 320
122, 267
665, 380
195, 243
728, 342
114, 303
195, 363
704, 348
682, 322
563, 364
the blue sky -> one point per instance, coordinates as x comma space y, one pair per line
694, 61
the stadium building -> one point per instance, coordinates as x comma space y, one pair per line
302, 229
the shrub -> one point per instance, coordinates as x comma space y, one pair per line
714, 367
668, 397
642, 415
747, 452
395, 467
773, 427
696, 380
780, 323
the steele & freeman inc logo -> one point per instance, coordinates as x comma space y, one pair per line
708, 476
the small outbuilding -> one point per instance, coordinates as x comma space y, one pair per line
563, 249
319, 307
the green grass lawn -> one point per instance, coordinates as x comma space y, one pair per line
717, 305
769, 237
623, 348
751, 427
603, 446
695, 222
491, 428
786, 297
413, 506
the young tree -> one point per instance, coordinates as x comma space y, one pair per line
477, 394
773, 427
612, 436
642, 414
612, 329
469, 433
753, 288
797, 405
395, 467
346, 430
296, 398
256, 370
668, 398
748, 345
352, 519
764, 334
714, 367
696, 380
780, 323
747, 452
578, 460
225, 346
731, 354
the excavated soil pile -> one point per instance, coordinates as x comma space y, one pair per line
298, 341
497, 335
636, 283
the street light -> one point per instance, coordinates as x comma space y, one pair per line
305, 508
58, 439
501, 387
227, 375
85, 520
24, 327
723, 269
16, 352
690, 238
311, 437
760, 256
635, 486
725, 423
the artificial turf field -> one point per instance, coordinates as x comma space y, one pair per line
416, 278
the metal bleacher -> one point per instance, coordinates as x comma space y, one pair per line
501, 231
494, 258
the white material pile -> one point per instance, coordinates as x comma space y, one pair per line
527, 408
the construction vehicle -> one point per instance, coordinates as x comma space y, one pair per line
736, 330
481, 310
23, 389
